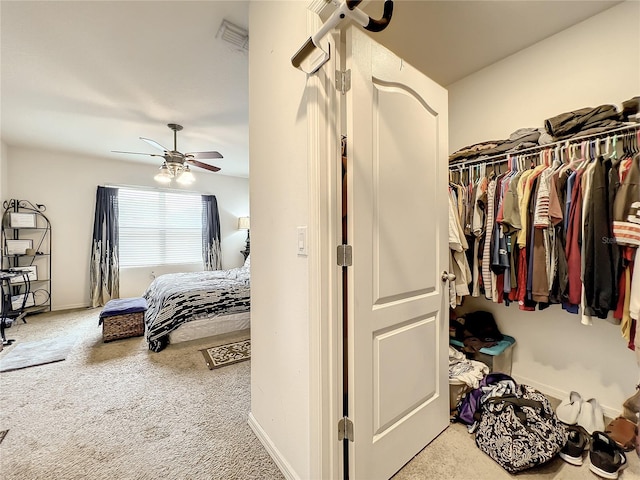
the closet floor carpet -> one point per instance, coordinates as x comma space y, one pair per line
453, 455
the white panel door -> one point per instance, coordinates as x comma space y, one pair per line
397, 214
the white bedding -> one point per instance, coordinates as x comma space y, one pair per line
209, 327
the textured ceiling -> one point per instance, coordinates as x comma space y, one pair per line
89, 77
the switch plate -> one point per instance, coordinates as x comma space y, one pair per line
303, 251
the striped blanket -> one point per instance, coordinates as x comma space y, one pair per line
176, 298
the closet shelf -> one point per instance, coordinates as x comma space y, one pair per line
504, 156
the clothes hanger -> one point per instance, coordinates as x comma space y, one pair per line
557, 158
607, 147
613, 155
583, 155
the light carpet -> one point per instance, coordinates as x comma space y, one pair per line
227, 354
31, 354
119, 411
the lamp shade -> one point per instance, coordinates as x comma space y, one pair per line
163, 176
243, 223
186, 177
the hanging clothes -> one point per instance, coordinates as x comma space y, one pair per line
558, 227
626, 206
458, 264
600, 252
486, 251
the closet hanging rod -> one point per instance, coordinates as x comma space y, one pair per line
502, 157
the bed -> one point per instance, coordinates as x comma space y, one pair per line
203, 303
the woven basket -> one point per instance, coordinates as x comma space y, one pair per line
122, 326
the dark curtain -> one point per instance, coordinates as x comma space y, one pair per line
211, 252
105, 281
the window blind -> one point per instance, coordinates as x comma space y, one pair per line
159, 228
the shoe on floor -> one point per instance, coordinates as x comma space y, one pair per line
591, 416
577, 443
606, 459
569, 409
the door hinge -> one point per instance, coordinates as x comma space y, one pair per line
343, 81
345, 429
345, 256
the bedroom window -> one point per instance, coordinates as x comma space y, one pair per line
159, 228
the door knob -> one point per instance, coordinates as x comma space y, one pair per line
446, 276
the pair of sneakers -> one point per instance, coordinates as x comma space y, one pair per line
606, 458
587, 414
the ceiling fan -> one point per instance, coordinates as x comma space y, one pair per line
176, 164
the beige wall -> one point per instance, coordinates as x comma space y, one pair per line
66, 184
280, 372
595, 62
3, 171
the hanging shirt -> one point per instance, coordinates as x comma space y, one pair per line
457, 259
560, 284
626, 206
600, 256
572, 250
486, 252
634, 297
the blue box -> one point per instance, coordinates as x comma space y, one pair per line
498, 358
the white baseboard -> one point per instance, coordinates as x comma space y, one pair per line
560, 394
282, 464
75, 306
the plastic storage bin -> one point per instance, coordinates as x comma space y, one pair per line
498, 357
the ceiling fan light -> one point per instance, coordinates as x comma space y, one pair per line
164, 176
186, 177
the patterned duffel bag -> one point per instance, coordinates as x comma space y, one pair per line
520, 431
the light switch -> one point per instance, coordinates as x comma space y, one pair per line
302, 241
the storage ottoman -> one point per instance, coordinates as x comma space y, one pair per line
498, 357
122, 318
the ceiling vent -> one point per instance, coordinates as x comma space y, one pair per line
234, 35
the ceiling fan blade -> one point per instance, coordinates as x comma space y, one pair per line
202, 165
203, 155
155, 144
139, 153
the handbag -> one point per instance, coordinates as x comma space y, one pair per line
624, 432
520, 431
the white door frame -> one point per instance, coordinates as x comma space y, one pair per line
325, 299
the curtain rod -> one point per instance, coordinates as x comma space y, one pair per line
155, 189
502, 157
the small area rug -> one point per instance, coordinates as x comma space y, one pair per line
30, 354
226, 354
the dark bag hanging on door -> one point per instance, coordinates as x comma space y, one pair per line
520, 431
